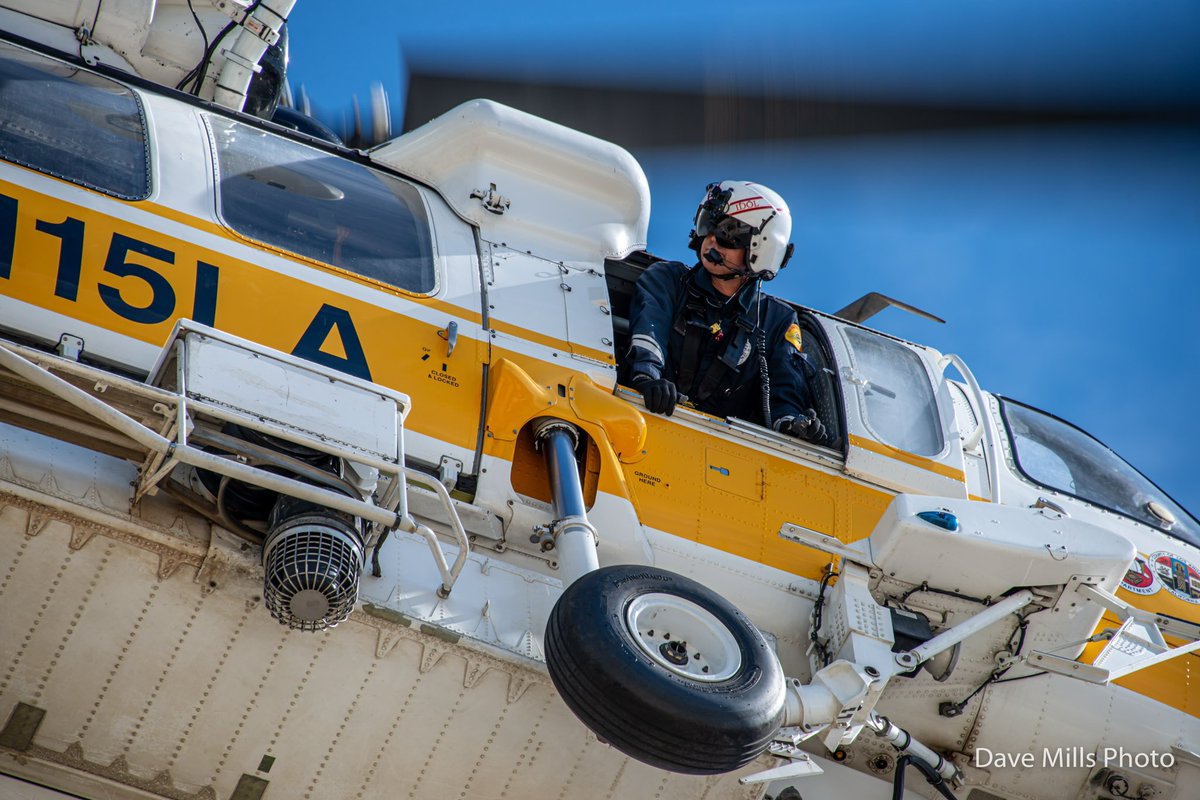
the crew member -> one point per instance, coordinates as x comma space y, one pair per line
709, 332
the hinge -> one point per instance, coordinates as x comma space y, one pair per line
448, 471
69, 346
492, 200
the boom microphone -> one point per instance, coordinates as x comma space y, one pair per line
714, 257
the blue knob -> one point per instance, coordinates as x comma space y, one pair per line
943, 519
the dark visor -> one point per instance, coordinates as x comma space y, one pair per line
730, 233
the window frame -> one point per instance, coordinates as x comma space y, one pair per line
426, 217
854, 364
813, 331
142, 116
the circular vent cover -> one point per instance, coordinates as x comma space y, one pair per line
312, 564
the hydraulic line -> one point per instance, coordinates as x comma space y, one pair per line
933, 777
906, 745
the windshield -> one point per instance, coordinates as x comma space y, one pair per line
1060, 456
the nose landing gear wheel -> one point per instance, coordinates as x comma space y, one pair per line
664, 669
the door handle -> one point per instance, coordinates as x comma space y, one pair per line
450, 334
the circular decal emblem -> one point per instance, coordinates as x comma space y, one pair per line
1139, 578
1178, 576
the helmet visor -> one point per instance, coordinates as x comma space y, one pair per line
731, 234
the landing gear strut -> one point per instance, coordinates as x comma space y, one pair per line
574, 536
660, 667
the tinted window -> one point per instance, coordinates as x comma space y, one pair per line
322, 206
895, 394
1060, 456
72, 124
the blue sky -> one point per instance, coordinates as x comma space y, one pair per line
1065, 259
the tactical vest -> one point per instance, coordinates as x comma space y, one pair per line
723, 386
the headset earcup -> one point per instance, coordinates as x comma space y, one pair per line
787, 255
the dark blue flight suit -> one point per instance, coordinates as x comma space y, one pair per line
709, 345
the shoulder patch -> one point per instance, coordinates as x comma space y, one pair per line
793, 335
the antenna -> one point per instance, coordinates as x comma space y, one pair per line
872, 303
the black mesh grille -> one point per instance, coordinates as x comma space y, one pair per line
312, 564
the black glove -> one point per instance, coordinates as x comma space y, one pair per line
660, 395
806, 427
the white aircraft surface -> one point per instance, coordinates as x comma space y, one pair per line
318, 478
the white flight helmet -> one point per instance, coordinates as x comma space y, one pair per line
750, 216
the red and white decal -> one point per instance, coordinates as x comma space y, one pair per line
1139, 578
746, 205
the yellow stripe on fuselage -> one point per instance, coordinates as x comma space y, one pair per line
45, 203
137, 281
549, 341
723, 494
735, 497
907, 458
215, 229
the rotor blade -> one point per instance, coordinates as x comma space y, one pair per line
356, 137
652, 117
381, 115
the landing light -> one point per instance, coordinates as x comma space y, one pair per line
942, 519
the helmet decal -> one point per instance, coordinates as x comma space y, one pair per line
744, 206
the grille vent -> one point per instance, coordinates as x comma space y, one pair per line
311, 566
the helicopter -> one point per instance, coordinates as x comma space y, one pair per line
319, 477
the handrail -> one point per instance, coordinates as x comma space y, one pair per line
77, 397
979, 406
449, 576
178, 451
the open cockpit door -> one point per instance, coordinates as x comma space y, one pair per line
901, 431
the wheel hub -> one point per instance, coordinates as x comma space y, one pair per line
674, 651
683, 637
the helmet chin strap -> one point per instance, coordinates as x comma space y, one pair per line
714, 257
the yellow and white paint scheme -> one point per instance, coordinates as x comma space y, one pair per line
136, 659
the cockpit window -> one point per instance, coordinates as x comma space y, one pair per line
334, 210
72, 124
894, 393
1059, 456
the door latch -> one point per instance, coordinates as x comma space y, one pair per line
450, 334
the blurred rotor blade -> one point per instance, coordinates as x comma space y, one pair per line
379, 123
286, 98
354, 137
381, 115
305, 105
664, 117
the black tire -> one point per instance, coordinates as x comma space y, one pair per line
641, 707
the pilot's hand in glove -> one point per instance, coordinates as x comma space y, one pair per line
806, 427
659, 394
